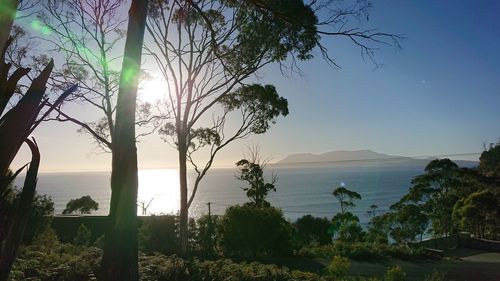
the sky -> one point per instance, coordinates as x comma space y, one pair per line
438, 95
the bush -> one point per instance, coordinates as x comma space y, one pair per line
39, 219
206, 236
338, 267
49, 259
312, 230
395, 273
365, 251
435, 276
161, 268
251, 232
83, 236
158, 234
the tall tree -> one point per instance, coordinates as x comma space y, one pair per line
88, 35
120, 259
207, 50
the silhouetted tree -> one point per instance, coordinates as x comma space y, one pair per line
88, 35
16, 124
208, 49
120, 257
345, 225
252, 171
82, 205
346, 198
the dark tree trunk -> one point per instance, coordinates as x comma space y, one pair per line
183, 220
15, 233
120, 259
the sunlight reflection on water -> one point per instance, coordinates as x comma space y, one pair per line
158, 191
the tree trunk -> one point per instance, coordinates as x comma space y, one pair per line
15, 233
183, 220
120, 259
7, 15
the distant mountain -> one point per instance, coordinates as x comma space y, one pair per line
357, 157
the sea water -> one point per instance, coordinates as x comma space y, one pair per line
299, 190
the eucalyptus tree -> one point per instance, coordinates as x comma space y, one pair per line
88, 37
208, 50
120, 257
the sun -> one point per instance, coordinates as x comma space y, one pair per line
152, 89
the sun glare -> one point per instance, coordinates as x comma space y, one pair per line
152, 89
158, 192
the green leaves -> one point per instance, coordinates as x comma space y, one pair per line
261, 104
82, 205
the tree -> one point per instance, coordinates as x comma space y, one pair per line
345, 224
345, 197
120, 257
437, 191
408, 222
82, 205
88, 35
310, 229
489, 161
208, 50
478, 212
252, 171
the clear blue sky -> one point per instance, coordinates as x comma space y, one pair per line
440, 94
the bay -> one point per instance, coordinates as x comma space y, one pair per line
300, 189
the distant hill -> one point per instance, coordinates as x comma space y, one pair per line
358, 157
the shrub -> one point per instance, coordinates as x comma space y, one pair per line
158, 234
435, 276
365, 251
49, 259
310, 230
159, 267
395, 273
40, 216
83, 236
338, 267
206, 236
250, 232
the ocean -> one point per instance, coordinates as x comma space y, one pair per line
300, 190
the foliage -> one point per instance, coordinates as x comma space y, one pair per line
435, 276
434, 195
253, 174
48, 259
395, 273
408, 222
82, 205
206, 236
477, 213
338, 267
247, 231
312, 230
489, 161
346, 198
83, 236
379, 228
162, 268
345, 227
40, 216
364, 251
158, 234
